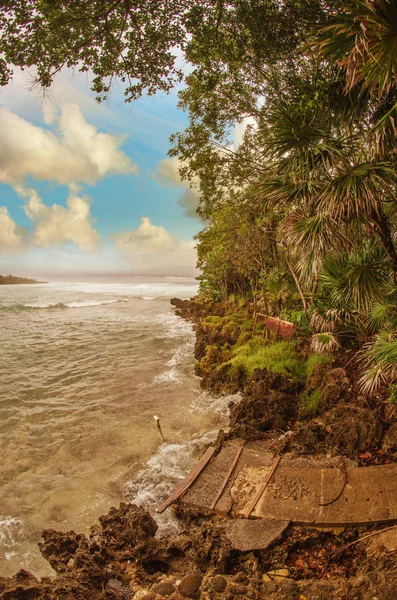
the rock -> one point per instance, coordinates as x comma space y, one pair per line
165, 588
237, 589
390, 439
268, 402
218, 583
190, 584
59, 548
127, 525
348, 429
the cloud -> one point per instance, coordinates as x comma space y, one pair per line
168, 174
11, 236
56, 225
74, 152
241, 128
150, 238
153, 249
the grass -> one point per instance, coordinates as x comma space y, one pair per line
316, 361
311, 402
277, 357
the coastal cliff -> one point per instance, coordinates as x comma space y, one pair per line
122, 559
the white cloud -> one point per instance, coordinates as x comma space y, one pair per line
153, 249
168, 173
74, 152
55, 225
11, 238
150, 238
241, 128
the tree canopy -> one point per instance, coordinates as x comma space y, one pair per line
301, 212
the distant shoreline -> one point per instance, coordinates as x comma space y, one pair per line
13, 280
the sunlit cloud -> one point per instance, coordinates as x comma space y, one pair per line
154, 249
74, 152
56, 225
11, 236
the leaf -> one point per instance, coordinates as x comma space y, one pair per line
365, 455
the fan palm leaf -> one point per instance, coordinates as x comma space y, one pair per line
380, 360
357, 190
363, 39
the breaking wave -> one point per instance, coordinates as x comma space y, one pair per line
58, 305
154, 483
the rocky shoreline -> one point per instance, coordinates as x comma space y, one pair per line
122, 559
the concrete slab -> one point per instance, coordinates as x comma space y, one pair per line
248, 535
369, 495
326, 492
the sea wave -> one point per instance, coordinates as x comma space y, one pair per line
154, 483
57, 305
11, 531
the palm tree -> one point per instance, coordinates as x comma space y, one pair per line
362, 40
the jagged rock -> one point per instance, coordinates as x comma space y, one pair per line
128, 525
268, 401
59, 548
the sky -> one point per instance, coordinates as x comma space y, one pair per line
87, 189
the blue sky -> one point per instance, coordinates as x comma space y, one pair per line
87, 189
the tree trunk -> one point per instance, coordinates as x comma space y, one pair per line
384, 232
298, 285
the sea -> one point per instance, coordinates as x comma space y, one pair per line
84, 369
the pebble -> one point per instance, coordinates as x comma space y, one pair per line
218, 583
163, 589
190, 584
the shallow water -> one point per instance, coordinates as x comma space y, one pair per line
83, 370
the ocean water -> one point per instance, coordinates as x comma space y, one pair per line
84, 368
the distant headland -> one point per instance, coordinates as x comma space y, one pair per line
12, 280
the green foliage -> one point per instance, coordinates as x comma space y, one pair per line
392, 398
317, 362
311, 402
278, 357
298, 317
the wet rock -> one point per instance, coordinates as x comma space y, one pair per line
190, 585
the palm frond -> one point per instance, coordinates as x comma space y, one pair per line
363, 40
356, 191
379, 358
325, 342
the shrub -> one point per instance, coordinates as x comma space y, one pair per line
278, 357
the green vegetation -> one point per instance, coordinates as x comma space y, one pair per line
278, 357
311, 402
317, 362
301, 212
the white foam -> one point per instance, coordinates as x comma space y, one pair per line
172, 376
162, 472
205, 403
12, 531
180, 354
